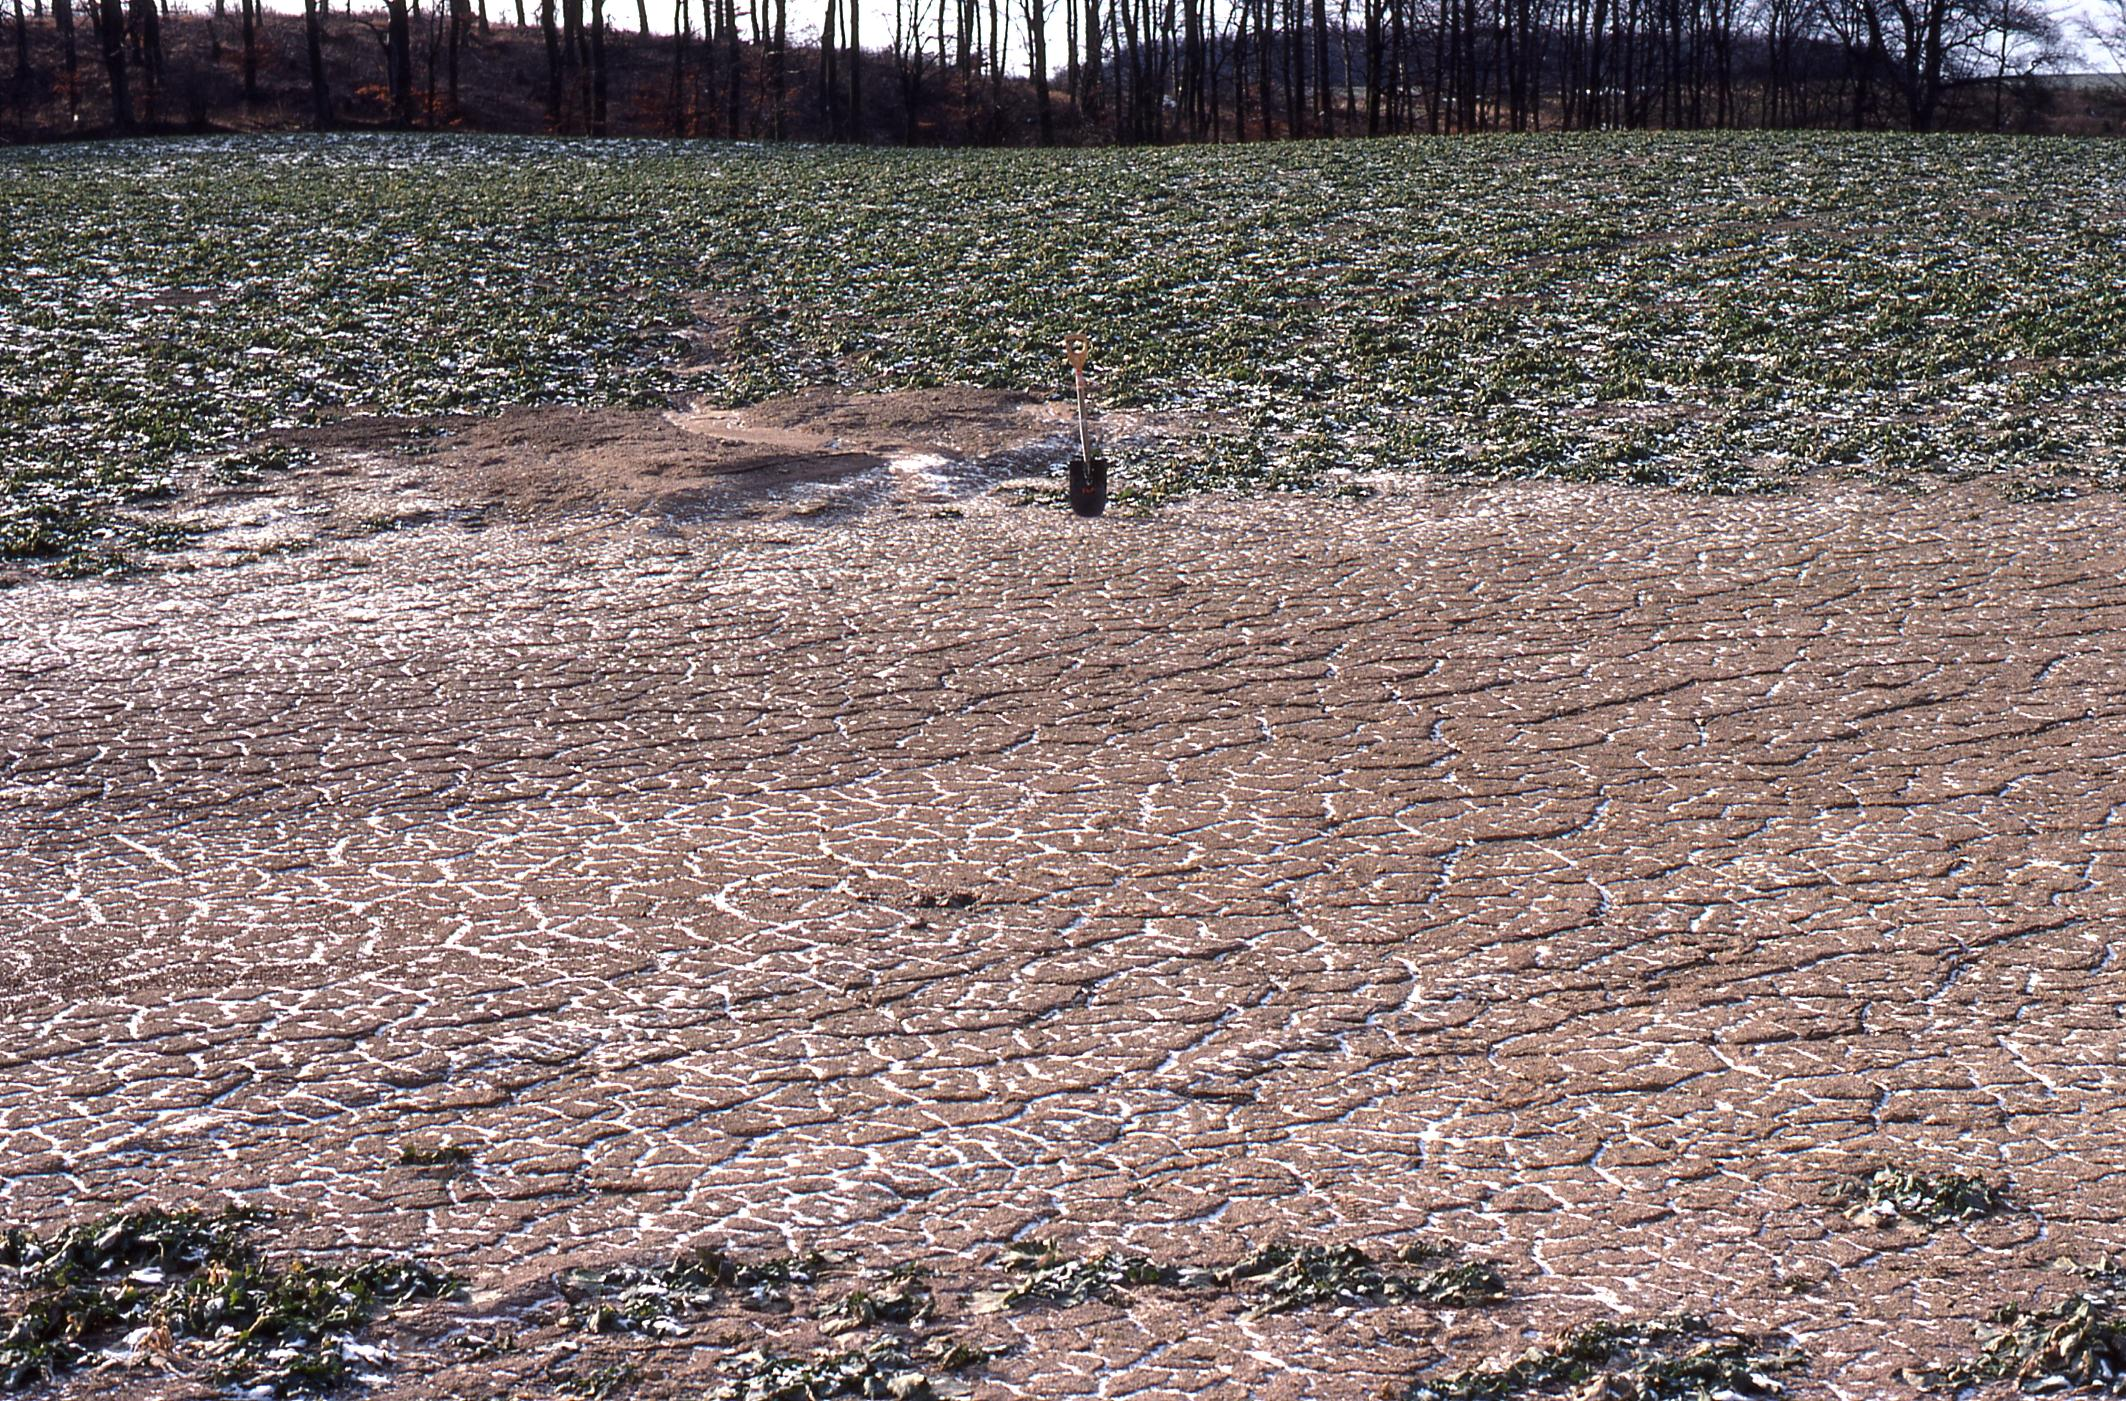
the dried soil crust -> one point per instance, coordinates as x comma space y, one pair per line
1586, 876
801, 455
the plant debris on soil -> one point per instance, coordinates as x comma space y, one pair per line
887, 1368
1048, 1275
1283, 1276
2077, 1345
598, 1384
434, 1154
1885, 1194
659, 1301
1677, 1358
905, 1298
1289, 1276
178, 1287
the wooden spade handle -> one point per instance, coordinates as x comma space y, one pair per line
1076, 347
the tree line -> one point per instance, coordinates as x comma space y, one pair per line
1128, 71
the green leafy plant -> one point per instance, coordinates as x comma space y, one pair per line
1678, 1358
600, 1383
886, 1368
904, 1297
1048, 1275
659, 1301
2076, 1345
1884, 1194
1288, 1276
189, 1285
434, 1153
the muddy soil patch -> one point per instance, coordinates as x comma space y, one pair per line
801, 455
1583, 876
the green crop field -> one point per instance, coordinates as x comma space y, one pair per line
1719, 313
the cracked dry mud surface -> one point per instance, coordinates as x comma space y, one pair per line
1584, 876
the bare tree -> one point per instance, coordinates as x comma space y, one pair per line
63, 18
782, 65
2026, 40
460, 21
147, 38
597, 68
252, 20
112, 33
2106, 28
856, 74
681, 25
313, 43
553, 63
1930, 46
909, 58
1036, 15
398, 60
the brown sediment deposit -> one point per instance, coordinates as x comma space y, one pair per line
1583, 876
811, 453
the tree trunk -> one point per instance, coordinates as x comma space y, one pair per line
314, 42
1037, 41
734, 69
147, 52
429, 106
598, 76
398, 61
681, 23
1932, 59
1265, 32
1294, 73
460, 19
147, 26
553, 64
1373, 67
778, 75
856, 75
829, 82
1129, 114
63, 17
998, 22
251, 21
1240, 70
1070, 49
1465, 79
575, 81
1089, 63
113, 35
1343, 32
1196, 68
1391, 69
1323, 99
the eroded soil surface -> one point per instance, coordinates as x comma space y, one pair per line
1582, 876
814, 453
